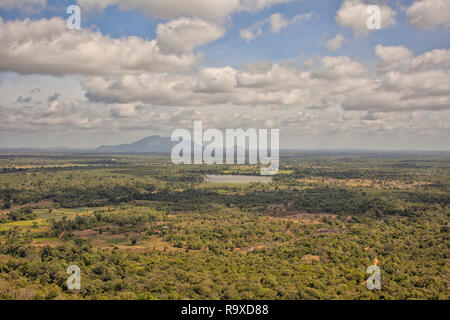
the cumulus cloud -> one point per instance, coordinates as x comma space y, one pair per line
48, 47
386, 101
429, 14
56, 115
279, 85
401, 58
276, 21
338, 68
181, 36
25, 6
217, 10
406, 82
434, 59
392, 57
335, 43
214, 80
399, 82
353, 14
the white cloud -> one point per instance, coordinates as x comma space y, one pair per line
280, 85
392, 57
217, 10
429, 14
181, 36
335, 43
434, 59
401, 58
26, 6
406, 82
59, 114
353, 14
48, 47
256, 5
216, 80
91, 5
340, 68
251, 33
276, 21
399, 82
279, 22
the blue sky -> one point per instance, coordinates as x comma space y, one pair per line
303, 81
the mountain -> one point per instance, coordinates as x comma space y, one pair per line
151, 144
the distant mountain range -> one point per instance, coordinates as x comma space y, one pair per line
153, 144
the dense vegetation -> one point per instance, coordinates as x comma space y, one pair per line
141, 228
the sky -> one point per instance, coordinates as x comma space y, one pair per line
312, 69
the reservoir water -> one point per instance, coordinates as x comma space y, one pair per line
236, 179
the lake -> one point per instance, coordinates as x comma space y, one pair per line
236, 179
